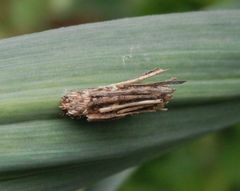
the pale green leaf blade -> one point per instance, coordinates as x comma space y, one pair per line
40, 150
113, 182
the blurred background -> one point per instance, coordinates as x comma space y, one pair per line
27, 16
211, 163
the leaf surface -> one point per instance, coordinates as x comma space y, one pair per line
41, 150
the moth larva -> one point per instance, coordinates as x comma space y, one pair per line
120, 99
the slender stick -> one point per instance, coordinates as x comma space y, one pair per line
120, 98
163, 83
130, 109
140, 78
118, 107
148, 90
106, 116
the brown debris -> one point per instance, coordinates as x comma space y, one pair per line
119, 100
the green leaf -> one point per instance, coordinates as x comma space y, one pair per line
113, 182
41, 150
225, 4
